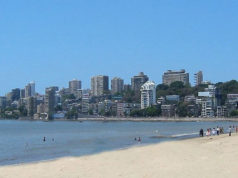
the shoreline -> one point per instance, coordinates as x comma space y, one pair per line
159, 119
195, 157
138, 119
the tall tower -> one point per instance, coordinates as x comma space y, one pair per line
50, 102
31, 106
117, 85
99, 85
33, 88
15, 94
138, 80
74, 86
198, 78
30, 89
22, 93
27, 91
148, 94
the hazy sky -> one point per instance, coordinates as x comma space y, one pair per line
53, 41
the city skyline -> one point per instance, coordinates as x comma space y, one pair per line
53, 42
41, 90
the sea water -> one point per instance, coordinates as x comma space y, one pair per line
22, 141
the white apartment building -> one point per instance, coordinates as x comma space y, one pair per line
148, 94
208, 101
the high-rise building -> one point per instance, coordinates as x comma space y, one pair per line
33, 88
85, 103
22, 93
27, 91
30, 89
209, 101
15, 94
198, 78
174, 76
64, 91
40, 108
148, 94
138, 81
50, 102
207, 107
74, 86
9, 98
3, 102
99, 85
117, 85
127, 87
31, 106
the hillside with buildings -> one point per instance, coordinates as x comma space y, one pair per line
175, 97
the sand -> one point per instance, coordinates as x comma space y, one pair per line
201, 157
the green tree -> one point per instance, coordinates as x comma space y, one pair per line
90, 112
58, 108
23, 111
129, 96
150, 111
102, 112
230, 87
175, 88
70, 97
72, 113
234, 113
182, 109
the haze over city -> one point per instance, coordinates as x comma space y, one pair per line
52, 42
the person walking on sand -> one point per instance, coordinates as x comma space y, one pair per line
229, 130
201, 133
208, 133
218, 130
222, 130
213, 131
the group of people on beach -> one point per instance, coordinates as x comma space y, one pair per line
218, 131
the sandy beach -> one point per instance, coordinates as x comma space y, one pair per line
215, 156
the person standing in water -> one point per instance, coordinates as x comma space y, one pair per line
139, 139
44, 139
